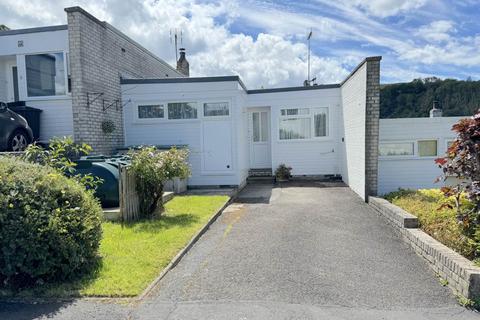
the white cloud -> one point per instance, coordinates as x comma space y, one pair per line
437, 31
268, 60
386, 8
345, 31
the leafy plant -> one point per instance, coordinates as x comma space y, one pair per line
152, 168
61, 155
283, 172
462, 161
435, 218
50, 226
108, 126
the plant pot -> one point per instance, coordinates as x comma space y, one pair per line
277, 179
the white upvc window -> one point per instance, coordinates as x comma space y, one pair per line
396, 149
216, 109
151, 111
182, 110
46, 74
303, 123
427, 148
260, 126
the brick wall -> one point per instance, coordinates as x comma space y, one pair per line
99, 56
372, 126
459, 273
360, 117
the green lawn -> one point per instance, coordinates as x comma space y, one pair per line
134, 254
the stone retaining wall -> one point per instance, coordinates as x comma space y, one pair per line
462, 275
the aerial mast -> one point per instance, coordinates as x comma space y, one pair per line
308, 72
174, 35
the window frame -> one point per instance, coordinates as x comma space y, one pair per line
415, 155
196, 103
397, 157
65, 66
418, 148
137, 105
203, 103
310, 115
199, 103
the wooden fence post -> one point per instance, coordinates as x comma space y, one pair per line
129, 200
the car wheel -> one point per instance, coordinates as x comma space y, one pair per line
18, 141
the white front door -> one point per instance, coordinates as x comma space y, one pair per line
217, 146
259, 132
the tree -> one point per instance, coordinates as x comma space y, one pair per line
462, 161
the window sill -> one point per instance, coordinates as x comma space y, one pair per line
310, 140
40, 98
393, 158
163, 121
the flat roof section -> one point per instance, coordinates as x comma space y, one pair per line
223, 79
33, 30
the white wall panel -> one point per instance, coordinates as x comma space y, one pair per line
413, 172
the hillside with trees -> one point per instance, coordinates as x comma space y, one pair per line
415, 99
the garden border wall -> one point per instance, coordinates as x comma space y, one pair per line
462, 275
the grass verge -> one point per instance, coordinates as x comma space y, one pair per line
134, 254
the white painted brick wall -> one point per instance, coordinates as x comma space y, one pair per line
354, 95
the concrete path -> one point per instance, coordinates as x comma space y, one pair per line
297, 252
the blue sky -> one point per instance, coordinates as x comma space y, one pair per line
264, 41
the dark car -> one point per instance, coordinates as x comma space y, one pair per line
15, 134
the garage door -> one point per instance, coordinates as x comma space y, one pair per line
217, 146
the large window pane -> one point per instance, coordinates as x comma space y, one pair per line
295, 128
215, 109
427, 148
294, 112
182, 110
150, 111
256, 126
320, 122
45, 74
264, 126
396, 149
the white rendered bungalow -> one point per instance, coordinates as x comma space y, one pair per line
319, 130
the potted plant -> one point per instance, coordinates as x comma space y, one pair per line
283, 173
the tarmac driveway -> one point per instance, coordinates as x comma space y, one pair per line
309, 252
315, 251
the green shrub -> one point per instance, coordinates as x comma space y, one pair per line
50, 226
61, 155
436, 219
283, 172
152, 168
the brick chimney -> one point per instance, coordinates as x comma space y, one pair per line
182, 64
435, 112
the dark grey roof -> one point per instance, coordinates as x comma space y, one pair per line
184, 80
33, 30
222, 79
286, 89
